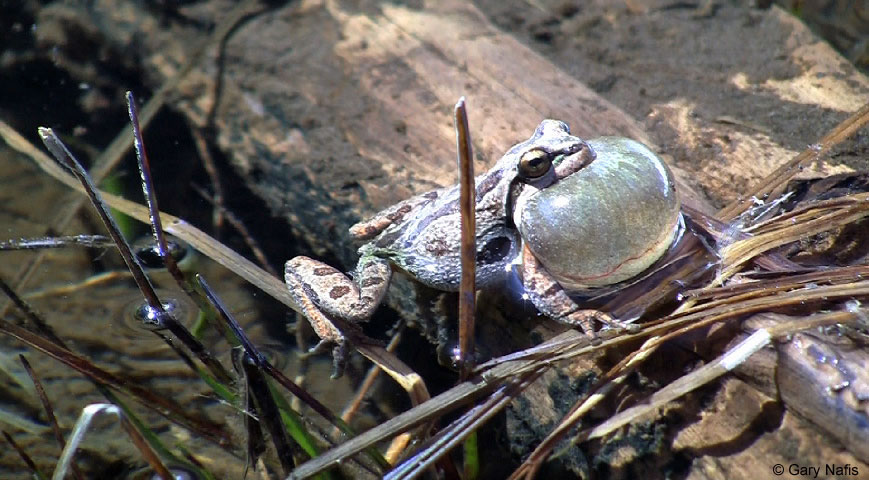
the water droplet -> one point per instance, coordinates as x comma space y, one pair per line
840, 386
151, 317
148, 253
455, 357
140, 316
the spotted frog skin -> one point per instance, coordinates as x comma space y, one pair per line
421, 237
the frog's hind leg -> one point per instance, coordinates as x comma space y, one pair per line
327, 296
550, 298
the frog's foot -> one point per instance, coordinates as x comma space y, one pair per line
551, 299
617, 324
584, 319
340, 353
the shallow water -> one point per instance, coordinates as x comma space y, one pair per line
88, 299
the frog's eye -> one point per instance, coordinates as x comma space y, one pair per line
534, 164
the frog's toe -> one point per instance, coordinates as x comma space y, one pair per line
584, 319
320, 347
630, 327
339, 359
614, 323
339, 350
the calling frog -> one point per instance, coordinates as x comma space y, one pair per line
576, 217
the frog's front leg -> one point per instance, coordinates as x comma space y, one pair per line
551, 300
325, 296
382, 220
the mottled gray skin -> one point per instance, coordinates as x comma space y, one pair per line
425, 243
421, 236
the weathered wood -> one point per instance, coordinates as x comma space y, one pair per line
360, 106
356, 116
334, 109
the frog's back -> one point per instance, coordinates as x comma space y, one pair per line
427, 245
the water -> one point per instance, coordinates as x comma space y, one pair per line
88, 300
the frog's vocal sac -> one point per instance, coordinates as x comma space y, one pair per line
576, 216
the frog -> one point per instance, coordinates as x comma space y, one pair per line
420, 236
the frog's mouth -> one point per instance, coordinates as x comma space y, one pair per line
566, 165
